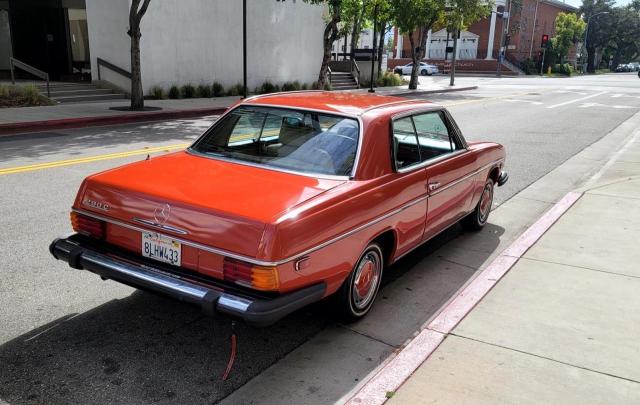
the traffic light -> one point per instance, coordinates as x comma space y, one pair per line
545, 41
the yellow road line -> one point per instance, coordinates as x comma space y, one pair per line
89, 159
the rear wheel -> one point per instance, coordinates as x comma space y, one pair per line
357, 294
478, 218
424, 72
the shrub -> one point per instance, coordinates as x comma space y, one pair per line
174, 92
327, 86
188, 91
204, 90
31, 95
268, 87
528, 66
563, 69
236, 90
389, 79
22, 96
304, 86
291, 86
157, 92
217, 89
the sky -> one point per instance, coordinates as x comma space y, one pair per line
578, 3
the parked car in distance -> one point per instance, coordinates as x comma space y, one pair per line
287, 199
425, 69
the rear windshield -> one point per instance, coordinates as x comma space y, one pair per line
295, 140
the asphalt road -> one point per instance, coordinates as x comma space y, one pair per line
67, 337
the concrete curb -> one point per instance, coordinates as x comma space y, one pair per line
67, 123
393, 374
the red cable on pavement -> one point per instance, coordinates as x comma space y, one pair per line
232, 358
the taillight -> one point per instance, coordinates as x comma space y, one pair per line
250, 275
87, 225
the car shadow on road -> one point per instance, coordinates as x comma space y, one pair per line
148, 349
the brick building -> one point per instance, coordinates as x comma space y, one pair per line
479, 45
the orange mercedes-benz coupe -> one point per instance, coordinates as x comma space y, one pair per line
288, 198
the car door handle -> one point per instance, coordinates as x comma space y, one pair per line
434, 185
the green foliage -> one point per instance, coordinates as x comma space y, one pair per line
528, 66
389, 79
174, 92
569, 30
188, 91
157, 92
563, 69
291, 86
217, 89
22, 96
204, 91
304, 86
236, 90
268, 87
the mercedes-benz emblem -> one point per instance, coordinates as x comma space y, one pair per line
162, 214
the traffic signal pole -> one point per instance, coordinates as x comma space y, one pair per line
544, 52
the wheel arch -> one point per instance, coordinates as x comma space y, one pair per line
387, 241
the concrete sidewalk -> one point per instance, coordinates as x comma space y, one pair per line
563, 326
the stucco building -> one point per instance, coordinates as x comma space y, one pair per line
183, 41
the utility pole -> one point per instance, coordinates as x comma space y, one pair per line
456, 35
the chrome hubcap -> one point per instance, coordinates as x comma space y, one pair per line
485, 203
366, 279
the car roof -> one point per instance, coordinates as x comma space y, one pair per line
347, 103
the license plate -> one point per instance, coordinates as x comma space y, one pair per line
161, 248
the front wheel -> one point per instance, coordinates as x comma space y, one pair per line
359, 290
424, 72
478, 218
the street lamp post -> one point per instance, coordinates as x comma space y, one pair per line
584, 43
244, 47
373, 47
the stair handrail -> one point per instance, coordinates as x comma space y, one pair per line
111, 66
354, 64
329, 71
15, 63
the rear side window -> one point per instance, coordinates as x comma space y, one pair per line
434, 137
420, 138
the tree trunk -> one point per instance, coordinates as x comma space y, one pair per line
591, 55
357, 27
137, 95
381, 46
330, 35
416, 56
135, 16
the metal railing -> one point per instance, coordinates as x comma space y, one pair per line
329, 72
15, 63
356, 77
111, 66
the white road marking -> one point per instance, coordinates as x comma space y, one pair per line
524, 101
577, 100
571, 91
589, 105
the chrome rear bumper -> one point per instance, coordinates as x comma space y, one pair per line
210, 295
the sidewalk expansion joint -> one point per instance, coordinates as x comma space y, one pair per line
581, 267
545, 358
369, 336
466, 266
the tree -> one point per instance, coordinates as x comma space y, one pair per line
624, 45
380, 11
136, 12
569, 30
330, 34
598, 30
415, 18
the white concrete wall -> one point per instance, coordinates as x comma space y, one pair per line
107, 23
199, 41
